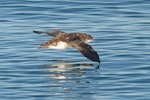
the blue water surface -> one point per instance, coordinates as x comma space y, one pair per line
122, 28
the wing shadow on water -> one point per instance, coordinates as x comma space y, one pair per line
74, 79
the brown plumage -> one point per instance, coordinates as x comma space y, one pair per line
63, 40
85, 49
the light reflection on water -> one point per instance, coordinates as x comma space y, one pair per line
74, 79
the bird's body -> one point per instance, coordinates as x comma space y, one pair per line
56, 45
63, 40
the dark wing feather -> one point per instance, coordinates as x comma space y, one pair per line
85, 49
52, 33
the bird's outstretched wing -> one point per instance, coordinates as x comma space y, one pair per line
52, 33
85, 49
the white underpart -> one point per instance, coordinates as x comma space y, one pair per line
89, 41
60, 45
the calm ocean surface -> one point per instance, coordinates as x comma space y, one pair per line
121, 26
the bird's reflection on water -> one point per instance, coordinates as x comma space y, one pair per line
70, 68
74, 79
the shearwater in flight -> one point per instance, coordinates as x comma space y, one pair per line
63, 40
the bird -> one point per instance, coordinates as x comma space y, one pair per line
64, 40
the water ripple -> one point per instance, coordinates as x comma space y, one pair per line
121, 28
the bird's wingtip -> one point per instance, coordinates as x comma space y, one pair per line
34, 31
38, 32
